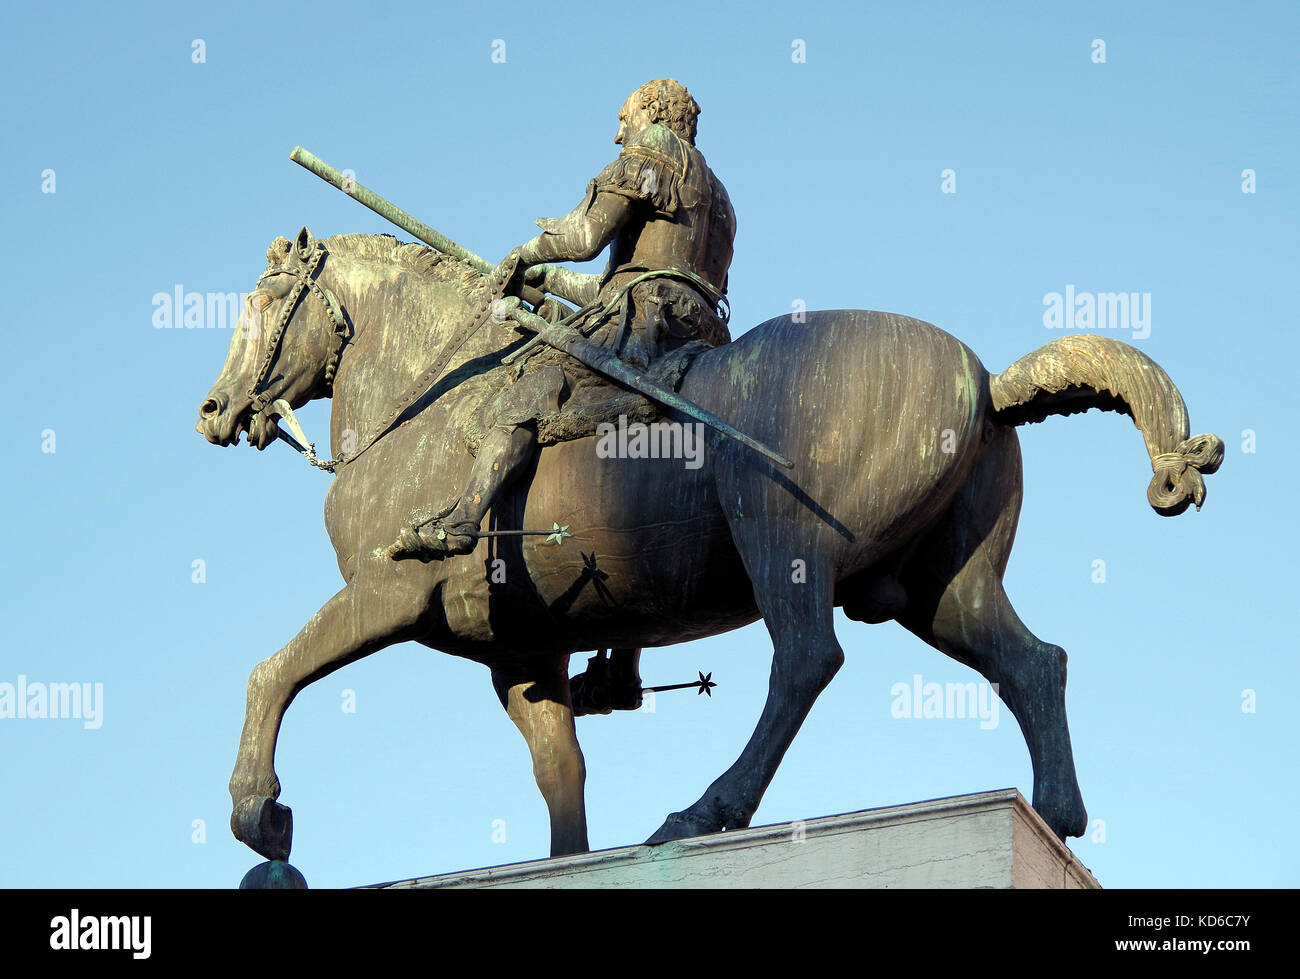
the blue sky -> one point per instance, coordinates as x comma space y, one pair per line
1125, 175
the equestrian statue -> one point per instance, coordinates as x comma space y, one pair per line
847, 458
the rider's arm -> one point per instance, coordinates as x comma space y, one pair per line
579, 236
644, 179
577, 287
582, 234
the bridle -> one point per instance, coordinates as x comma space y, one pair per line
305, 281
312, 255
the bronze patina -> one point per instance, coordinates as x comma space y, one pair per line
670, 228
902, 502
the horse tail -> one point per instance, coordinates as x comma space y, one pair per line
1080, 371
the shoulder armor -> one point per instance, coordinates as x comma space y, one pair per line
652, 168
658, 137
663, 146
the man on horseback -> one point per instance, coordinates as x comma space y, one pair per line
670, 228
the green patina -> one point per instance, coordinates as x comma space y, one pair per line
971, 377
743, 369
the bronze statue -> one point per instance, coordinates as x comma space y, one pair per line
901, 504
670, 228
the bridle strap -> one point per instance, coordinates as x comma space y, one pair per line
305, 281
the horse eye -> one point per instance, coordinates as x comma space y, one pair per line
259, 300
276, 286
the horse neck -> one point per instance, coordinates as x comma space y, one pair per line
401, 318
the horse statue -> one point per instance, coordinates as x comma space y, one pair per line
902, 504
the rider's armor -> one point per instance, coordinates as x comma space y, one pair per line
660, 300
673, 251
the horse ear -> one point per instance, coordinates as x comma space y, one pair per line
305, 243
278, 251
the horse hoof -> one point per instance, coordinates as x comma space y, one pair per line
1073, 824
680, 826
263, 825
1065, 820
274, 875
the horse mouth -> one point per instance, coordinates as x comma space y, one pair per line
260, 427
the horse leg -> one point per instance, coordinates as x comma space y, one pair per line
956, 603
806, 656
975, 624
354, 623
536, 696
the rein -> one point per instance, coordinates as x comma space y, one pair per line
306, 280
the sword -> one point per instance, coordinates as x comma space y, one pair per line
600, 359
604, 361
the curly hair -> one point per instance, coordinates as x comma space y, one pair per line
668, 102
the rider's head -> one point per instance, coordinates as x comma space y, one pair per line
662, 100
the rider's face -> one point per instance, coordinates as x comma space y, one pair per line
632, 121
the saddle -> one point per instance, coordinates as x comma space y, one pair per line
587, 401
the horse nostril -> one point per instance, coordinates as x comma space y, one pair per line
209, 408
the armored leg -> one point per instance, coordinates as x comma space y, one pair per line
609, 683
507, 449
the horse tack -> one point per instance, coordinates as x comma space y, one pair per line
729, 576
592, 316
305, 280
305, 276
421, 385
428, 377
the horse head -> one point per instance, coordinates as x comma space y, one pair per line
286, 345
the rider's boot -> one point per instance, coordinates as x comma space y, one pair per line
505, 450
609, 684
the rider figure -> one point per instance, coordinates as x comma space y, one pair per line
670, 228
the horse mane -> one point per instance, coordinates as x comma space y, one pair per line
472, 286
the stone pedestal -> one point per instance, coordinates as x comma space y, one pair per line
987, 839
